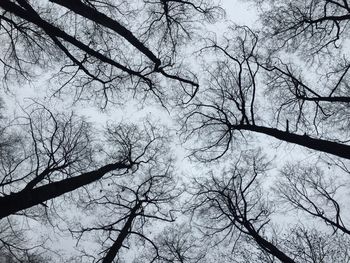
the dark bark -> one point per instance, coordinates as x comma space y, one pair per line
269, 247
42, 176
338, 149
335, 224
53, 32
118, 243
328, 18
27, 198
26, 12
90, 13
326, 99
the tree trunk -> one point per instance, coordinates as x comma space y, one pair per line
269, 247
90, 13
26, 198
112, 252
338, 149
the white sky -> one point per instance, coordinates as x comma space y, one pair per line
238, 11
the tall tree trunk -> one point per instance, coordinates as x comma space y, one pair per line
338, 149
26, 198
55, 32
269, 247
90, 13
112, 252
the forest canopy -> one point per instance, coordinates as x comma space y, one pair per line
162, 131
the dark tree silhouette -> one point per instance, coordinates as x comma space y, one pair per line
95, 42
177, 243
312, 245
234, 201
310, 190
56, 155
230, 104
14, 245
116, 188
127, 209
312, 26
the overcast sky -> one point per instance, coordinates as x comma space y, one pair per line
239, 11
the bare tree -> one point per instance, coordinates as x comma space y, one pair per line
287, 80
312, 245
234, 202
312, 191
313, 26
126, 209
308, 65
58, 155
230, 104
14, 245
103, 46
177, 243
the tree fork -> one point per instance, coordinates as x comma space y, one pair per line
118, 243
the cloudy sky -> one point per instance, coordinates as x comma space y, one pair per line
213, 91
